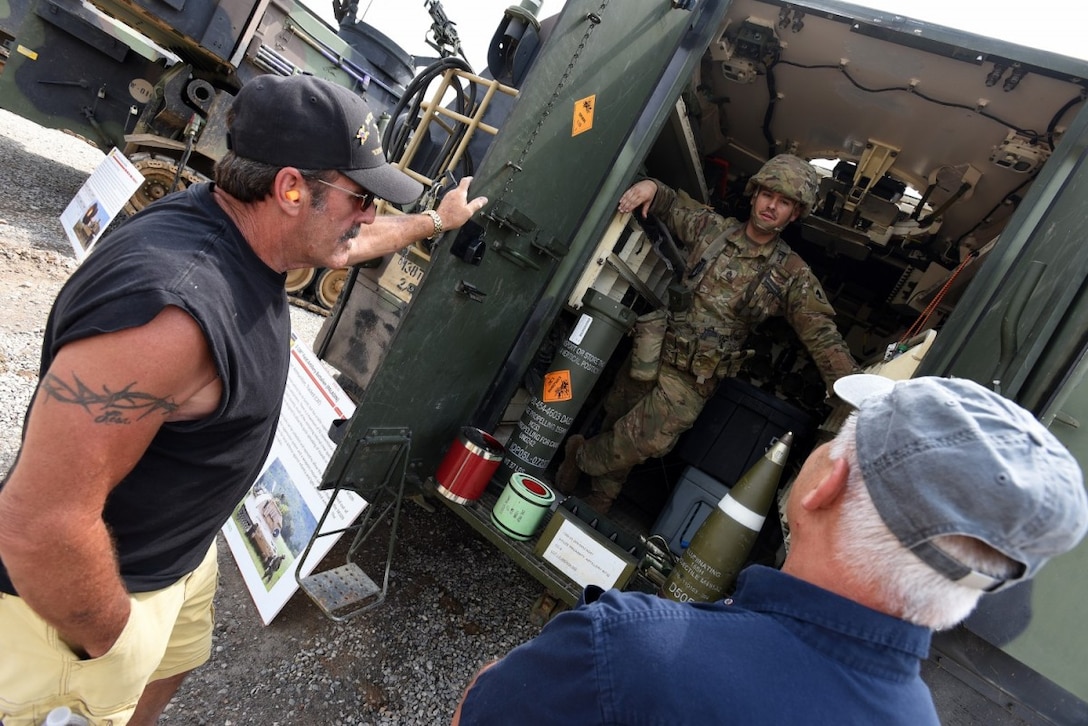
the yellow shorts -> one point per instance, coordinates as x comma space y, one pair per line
168, 632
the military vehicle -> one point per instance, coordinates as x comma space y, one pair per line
947, 235
154, 79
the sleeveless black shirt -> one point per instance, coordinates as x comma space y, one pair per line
183, 251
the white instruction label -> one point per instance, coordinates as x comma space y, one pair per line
582, 558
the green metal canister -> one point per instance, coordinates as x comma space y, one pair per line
521, 506
566, 385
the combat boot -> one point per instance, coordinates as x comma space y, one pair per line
566, 478
604, 491
599, 502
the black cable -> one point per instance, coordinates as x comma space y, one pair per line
772, 104
396, 139
466, 107
1035, 135
1058, 117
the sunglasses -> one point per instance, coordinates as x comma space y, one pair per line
365, 199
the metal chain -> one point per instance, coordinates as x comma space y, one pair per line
593, 19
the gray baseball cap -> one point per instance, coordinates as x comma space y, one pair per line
948, 456
313, 124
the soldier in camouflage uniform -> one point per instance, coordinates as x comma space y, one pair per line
740, 274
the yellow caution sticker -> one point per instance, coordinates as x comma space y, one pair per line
583, 114
557, 387
32, 55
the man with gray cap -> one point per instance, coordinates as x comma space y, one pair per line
162, 374
934, 492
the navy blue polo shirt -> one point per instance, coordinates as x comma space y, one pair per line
780, 650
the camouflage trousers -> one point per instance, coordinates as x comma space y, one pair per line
643, 419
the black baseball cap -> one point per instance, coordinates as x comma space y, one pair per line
309, 123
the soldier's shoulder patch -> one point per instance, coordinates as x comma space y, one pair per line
816, 299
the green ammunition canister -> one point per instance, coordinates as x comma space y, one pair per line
521, 506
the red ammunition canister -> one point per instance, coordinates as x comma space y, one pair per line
468, 465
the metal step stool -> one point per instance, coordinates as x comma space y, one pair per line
345, 591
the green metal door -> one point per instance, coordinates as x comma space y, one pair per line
1022, 326
593, 103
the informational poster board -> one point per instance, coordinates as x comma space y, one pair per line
98, 201
269, 530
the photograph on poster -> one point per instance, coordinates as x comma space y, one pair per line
98, 201
271, 527
277, 523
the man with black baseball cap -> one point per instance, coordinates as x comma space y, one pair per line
163, 367
934, 492
309, 124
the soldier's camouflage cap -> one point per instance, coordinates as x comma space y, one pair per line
789, 175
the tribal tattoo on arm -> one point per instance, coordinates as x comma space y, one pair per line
108, 407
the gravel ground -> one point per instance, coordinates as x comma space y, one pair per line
455, 601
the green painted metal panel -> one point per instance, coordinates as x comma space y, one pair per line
12, 13
1047, 230
73, 69
1022, 326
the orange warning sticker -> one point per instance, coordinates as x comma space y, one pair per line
583, 114
557, 387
